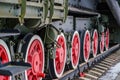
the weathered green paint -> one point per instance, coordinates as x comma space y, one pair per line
23, 29
51, 10
48, 34
23, 11
104, 19
51, 35
45, 9
100, 28
65, 9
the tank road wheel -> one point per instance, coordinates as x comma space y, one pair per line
101, 44
57, 64
85, 45
4, 57
34, 54
95, 43
107, 34
75, 51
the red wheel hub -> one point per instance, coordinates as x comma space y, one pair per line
36, 63
60, 57
95, 43
107, 39
36, 59
61, 54
102, 43
75, 50
86, 46
4, 59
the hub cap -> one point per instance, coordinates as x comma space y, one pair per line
60, 56
75, 54
95, 43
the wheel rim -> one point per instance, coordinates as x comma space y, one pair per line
107, 40
102, 43
75, 51
5, 57
95, 43
60, 56
86, 45
35, 56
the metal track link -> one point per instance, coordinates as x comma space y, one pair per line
95, 67
99, 69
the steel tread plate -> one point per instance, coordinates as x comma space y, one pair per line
14, 68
